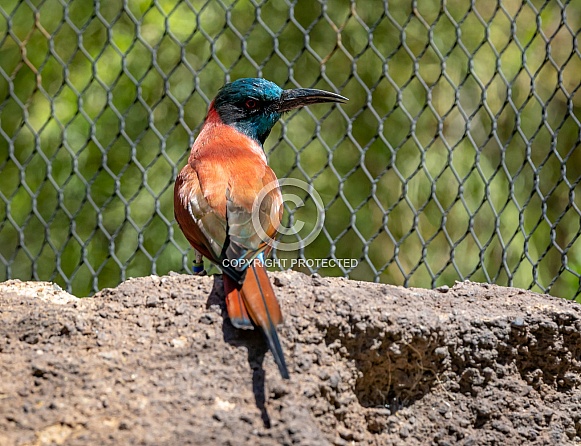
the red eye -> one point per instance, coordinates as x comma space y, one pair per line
250, 104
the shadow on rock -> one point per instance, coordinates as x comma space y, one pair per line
251, 339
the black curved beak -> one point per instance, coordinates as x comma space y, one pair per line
299, 97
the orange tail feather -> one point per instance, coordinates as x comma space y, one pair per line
235, 304
256, 299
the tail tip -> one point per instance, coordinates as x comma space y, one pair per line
282, 369
277, 353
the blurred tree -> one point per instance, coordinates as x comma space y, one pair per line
457, 157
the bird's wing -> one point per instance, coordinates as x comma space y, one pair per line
228, 208
252, 228
242, 191
203, 226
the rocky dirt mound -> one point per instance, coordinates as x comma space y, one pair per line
155, 362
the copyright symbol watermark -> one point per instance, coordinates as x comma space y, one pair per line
288, 188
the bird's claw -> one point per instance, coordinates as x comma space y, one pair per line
198, 268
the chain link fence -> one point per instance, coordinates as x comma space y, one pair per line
457, 157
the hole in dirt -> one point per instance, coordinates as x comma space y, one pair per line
396, 376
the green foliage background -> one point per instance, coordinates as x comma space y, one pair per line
458, 155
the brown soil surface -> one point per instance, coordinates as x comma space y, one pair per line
156, 362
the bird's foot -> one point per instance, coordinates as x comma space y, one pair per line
198, 269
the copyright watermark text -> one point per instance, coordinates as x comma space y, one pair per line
293, 263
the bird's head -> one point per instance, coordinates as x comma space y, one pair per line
252, 106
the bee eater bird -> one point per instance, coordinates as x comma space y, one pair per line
215, 194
